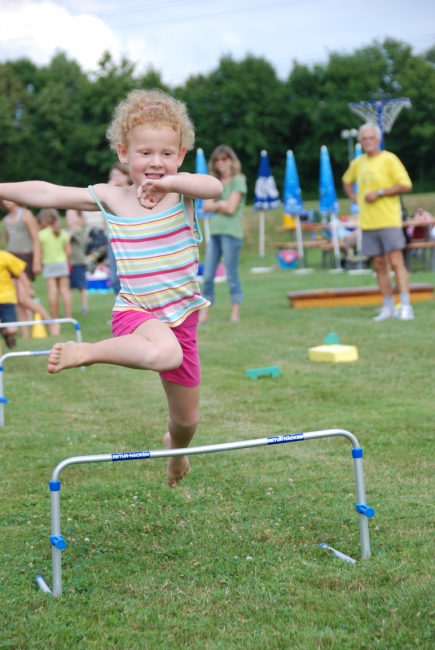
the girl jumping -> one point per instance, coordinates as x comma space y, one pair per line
153, 231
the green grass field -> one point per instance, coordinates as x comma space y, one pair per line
230, 559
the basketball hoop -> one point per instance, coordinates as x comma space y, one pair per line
381, 112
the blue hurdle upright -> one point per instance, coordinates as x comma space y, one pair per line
58, 543
30, 353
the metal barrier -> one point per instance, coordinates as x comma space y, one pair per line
59, 544
30, 353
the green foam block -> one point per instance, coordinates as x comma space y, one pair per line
270, 371
331, 339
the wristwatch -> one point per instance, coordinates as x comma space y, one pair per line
380, 192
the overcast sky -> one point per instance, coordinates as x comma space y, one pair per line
179, 38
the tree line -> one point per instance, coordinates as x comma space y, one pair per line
53, 118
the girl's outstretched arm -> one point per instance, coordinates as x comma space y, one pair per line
40, 194
192, 186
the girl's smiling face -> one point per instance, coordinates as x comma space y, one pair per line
152, 153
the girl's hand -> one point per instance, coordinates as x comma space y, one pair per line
150, 192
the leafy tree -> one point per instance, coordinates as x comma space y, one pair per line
430, 55
53, 118
14, 122
239, 104
318, 100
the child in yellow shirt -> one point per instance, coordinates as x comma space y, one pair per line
10, 266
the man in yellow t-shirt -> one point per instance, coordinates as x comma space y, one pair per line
10, 265
381, 178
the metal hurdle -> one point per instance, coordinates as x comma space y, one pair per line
30, 353
58, 543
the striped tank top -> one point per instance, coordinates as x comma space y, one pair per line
157, 263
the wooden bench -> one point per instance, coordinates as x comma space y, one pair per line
423, 246
324, 245
353, 296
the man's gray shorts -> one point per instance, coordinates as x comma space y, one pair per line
382, 241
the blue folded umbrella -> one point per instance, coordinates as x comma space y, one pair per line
266, 195
292, 190
201, 168
328, 202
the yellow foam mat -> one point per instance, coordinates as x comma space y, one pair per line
334, 353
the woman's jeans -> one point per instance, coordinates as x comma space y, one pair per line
113, 271
229, 248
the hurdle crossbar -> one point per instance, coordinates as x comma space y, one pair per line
58, 543
30, 353
59, 321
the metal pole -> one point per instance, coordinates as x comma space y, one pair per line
364, 511
58, 543
350, 148
44, 322
207, 229
56, 547
334, 229
301, 270
299, 240
262, 236
3, 399
379, 116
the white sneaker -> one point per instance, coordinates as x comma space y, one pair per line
385, 313
405, 313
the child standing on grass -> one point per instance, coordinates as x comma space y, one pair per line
77, 260
22, 241
56, 250
10, 266
152, 228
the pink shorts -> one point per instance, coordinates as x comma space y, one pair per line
189, 373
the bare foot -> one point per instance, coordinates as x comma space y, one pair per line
235, 313
65, 355
178, 466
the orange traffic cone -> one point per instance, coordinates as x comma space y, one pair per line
38, 330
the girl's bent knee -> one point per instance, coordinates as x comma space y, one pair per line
167, 357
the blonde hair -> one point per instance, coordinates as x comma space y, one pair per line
153, 107
49, 217
224, 151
